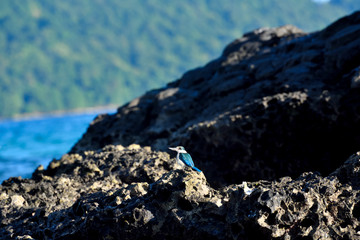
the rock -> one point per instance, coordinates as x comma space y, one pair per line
17, 200
349, 172
275, 97
355, 79
278, 112
178, 204
25, 237
51, 191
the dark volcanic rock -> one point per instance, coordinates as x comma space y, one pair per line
275, 116
277, 102
43, 200
92, 196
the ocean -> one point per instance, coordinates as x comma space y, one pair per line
27, 143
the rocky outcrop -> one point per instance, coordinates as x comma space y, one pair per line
49, 192
270, 122
134, 193
276, 97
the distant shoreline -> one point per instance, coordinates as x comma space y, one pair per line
77, 111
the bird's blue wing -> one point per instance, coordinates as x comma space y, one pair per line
186, 158
196, 169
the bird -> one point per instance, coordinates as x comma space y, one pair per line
183, 158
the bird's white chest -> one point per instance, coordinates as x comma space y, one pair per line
181, 163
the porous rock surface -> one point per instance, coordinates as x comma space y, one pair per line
270, 122
135, 193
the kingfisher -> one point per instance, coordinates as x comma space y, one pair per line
183, 158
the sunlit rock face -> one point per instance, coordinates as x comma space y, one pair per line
273, 123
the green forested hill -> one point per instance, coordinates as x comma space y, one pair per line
67, 54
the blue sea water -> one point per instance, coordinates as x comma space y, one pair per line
25, 144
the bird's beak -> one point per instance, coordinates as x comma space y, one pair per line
174, 149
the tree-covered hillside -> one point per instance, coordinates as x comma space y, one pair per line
72, 54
